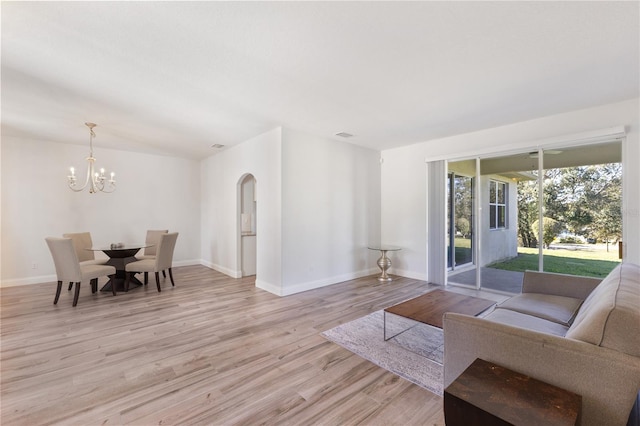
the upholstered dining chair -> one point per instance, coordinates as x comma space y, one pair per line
152, 239
69, 269
82, 241
163, 261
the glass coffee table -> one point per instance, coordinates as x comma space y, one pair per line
430, 307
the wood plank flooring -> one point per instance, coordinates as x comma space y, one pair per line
212, 350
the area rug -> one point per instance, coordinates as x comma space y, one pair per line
415, 355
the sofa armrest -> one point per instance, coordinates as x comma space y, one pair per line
559, 284
607, 380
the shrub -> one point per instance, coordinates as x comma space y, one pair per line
570, 240
551, 228
463, 226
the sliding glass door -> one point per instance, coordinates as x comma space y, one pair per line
582, 221
555, 210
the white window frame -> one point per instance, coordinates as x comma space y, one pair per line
494, 204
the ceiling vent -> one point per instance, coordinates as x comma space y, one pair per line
217, 146
344, 135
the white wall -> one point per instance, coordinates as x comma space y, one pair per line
221, 175
319, 202
153, 192
631, 189
403, 174
330, 211
404, 210
318, 206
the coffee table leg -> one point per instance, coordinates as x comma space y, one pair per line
384, 263
384, 328
384, 320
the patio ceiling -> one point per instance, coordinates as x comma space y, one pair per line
519, 166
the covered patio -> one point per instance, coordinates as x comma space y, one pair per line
492, 279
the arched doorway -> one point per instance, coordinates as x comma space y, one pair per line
247, 224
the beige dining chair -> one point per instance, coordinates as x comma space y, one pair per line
152, 239
162, 261
81, 242
69, 269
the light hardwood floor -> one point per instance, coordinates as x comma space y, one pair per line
212, 350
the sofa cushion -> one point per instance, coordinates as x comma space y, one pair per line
610, 316
559, 309
517, 319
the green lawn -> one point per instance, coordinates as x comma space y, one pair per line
576, 261
592, 263
463, 251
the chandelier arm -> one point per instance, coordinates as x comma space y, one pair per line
103, 184
86, 181
113, 186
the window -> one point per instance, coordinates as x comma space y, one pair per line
497, 205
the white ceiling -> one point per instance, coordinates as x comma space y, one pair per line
177, 77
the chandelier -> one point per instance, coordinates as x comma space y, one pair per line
96, 181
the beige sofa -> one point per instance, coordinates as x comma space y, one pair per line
581, 334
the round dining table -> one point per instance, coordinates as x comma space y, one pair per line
119, 255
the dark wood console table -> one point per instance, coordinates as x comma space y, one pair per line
488, 394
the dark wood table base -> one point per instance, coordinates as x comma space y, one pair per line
119, 263
134, 283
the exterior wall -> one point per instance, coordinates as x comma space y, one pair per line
499, 244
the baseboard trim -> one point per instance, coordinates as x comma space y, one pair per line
227, 271
311, 285
273, 289
278, 290
407, 274
28, 281
41, 279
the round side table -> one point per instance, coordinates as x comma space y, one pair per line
384, 262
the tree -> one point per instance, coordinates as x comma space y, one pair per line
607, 221
606, 224
463, 195
527, 212
551, 228
463, 226
586, 199
580, 196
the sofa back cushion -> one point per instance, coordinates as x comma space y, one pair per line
610, 316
